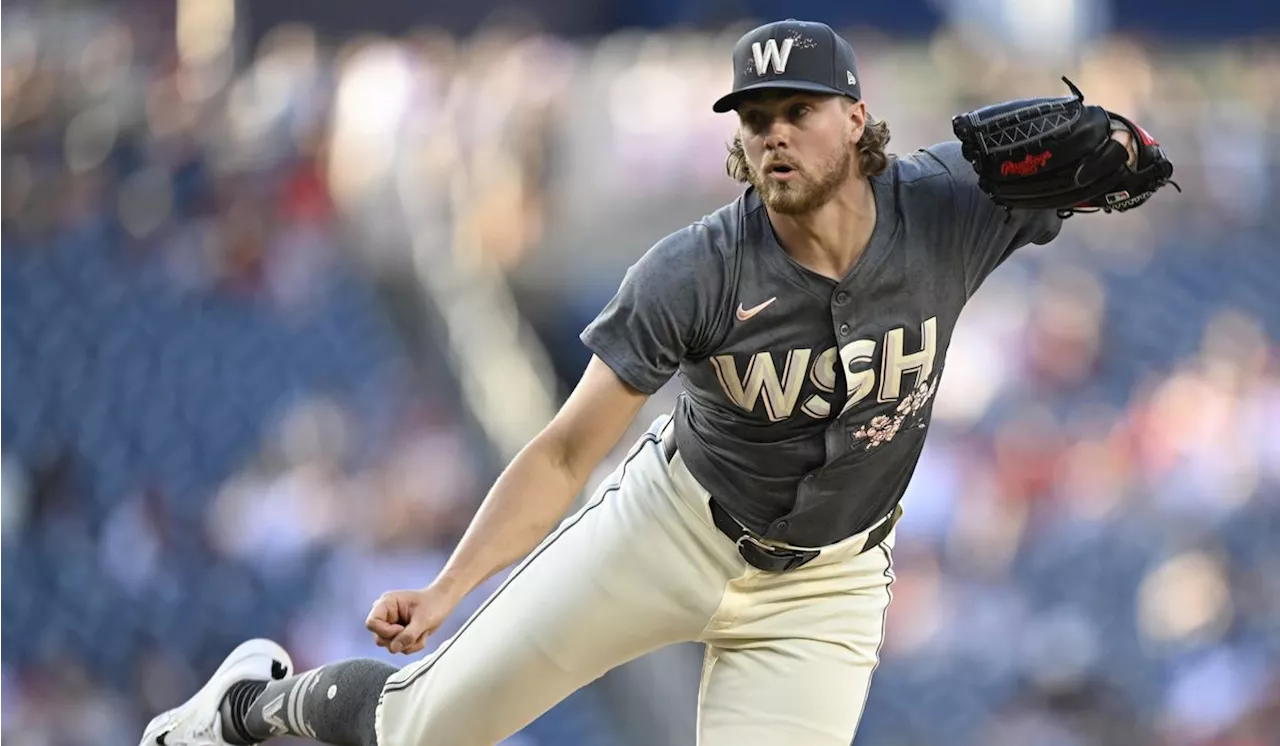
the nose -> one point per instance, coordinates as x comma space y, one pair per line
778, 134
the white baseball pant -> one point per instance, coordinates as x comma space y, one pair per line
789, 656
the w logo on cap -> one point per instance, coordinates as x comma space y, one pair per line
763, 59
768, 54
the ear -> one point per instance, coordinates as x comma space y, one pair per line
856, 111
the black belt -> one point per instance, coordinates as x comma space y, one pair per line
765, 556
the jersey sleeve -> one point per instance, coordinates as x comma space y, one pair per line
988, 233
664, 311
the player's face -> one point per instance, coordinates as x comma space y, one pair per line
799, 147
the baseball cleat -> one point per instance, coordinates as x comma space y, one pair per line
197, 721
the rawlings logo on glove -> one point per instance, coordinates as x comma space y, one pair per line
1026, 166
1058, 154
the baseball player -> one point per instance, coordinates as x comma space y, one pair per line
809, 322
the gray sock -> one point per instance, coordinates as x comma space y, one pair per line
334, 704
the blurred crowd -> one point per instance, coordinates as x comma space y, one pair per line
214, 426
211, 426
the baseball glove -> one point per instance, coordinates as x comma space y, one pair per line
1058, 154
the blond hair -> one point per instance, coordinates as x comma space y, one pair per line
872, 157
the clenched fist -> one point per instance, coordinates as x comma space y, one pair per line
401, 621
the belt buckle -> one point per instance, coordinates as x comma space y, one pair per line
787, 559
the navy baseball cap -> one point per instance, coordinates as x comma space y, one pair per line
795, 55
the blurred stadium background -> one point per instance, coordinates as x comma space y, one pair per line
286, 284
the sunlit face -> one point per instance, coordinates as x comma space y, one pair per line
799, 147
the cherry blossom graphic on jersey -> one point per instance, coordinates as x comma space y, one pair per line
882, 428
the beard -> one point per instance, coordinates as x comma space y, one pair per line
804, 193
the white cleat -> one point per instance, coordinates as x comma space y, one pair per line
197, 721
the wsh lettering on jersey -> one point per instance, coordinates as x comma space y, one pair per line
780, 392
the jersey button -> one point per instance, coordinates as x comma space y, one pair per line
844, 330
783, 525
842, 298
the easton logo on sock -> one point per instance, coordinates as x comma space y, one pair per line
271, 716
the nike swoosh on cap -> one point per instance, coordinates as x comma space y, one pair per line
746, 313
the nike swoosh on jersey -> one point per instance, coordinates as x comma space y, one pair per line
746, 313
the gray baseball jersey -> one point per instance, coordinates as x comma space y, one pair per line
806, 401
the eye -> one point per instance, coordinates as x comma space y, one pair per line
754, 120
798, 110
